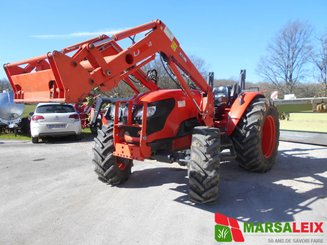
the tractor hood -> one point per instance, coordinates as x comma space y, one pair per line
163, 94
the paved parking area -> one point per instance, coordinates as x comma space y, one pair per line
50, 195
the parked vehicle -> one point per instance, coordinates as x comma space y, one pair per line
10, 112
54, 119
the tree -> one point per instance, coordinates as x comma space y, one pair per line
288, 53
319, 59
164, 79
200, 64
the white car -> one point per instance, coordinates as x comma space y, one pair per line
54, 119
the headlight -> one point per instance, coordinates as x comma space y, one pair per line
150, 111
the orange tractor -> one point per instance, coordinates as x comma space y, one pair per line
197, 125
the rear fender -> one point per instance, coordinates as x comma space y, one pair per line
239, 107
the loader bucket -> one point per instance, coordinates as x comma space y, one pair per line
53, 77
69, 75
57, 76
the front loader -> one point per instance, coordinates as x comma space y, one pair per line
197, 125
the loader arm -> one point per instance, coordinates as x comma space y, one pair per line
68, 75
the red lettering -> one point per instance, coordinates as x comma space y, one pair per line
311, 227
319, 227
294, 227
304, 227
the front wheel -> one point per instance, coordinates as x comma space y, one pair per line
109, 168
256, 136
204, 165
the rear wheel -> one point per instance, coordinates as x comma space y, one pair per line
256, 136
35, 140
204, 165
109, 168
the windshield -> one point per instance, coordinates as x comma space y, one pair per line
55, 109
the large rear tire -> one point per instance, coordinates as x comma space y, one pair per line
204, 165
256, 136
109, 168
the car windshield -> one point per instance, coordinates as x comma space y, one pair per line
55, 109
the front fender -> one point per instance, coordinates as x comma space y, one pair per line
239, 107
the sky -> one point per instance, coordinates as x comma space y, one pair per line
227, 35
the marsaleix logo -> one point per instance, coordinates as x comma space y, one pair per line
227, 229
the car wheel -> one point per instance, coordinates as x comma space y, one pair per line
35, 140
78, 137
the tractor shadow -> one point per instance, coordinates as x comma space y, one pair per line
85, 137
157, 176
295, 183
293, 186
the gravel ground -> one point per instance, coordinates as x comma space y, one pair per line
50, 195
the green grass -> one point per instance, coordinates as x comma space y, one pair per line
294, 108
86, 132
13, 137
313, 122
28, 108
